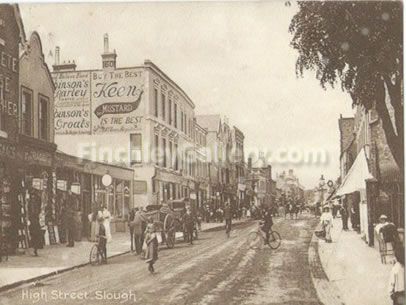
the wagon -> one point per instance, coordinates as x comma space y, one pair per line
168, 219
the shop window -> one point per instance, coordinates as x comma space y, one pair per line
156, 102
136, 148
43, 110
119, 205
26, 112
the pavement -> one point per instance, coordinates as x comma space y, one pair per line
54, 259
354, 272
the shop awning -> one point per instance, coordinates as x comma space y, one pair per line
356, 176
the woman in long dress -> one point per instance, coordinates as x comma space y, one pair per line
107, 218
326, 220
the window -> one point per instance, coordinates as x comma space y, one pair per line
156, 150
176, 157
136, 148
185, 120
2, 114
181, 120
163, 106
26, 112
170, 155
170, 112
43, 111
164, 151
175, 116
156, 102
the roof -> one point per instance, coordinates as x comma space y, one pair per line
209, 121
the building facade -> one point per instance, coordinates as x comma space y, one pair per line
132, 117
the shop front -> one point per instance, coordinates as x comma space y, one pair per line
168, 185
80, 182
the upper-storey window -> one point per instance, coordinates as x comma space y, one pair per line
43, 121
156, 102
26, 111
163, 106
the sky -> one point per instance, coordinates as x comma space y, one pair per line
230, 58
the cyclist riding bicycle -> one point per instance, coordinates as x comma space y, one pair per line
267, 223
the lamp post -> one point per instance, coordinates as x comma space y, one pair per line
322, 182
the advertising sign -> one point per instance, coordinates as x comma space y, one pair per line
117, 100
38, 184
72, 102
61, 185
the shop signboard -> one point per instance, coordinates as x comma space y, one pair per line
75, 188
61, 185
38, 184
72, 102
193, 196
117, 100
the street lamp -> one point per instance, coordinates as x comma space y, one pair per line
322, 182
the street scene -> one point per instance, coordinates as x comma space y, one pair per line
202, 153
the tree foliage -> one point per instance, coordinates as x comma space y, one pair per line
359, 46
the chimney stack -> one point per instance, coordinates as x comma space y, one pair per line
57, 56
106, 43
108, 58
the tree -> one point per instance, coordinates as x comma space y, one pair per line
360, 46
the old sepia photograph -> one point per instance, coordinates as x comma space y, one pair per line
202, 153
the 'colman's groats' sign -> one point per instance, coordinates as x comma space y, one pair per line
72, 102
117, 100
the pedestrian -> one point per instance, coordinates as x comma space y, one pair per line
326, 220
228, 218
344, 216
397, 278
151, 240
69, 220
107, 218
189, 225
136, 231
36, 240
102, 241
94, 228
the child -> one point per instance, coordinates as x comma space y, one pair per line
151, 240
397, 278
102, 248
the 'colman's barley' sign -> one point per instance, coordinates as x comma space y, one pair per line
72, 102
117, 100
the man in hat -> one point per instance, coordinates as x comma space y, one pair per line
387, 231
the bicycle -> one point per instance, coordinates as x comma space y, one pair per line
257, 238
95, 258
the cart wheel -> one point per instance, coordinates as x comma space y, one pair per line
169, 231
94, 255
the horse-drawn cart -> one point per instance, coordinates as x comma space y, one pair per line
168, 219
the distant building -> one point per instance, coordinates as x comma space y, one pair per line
290, 187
